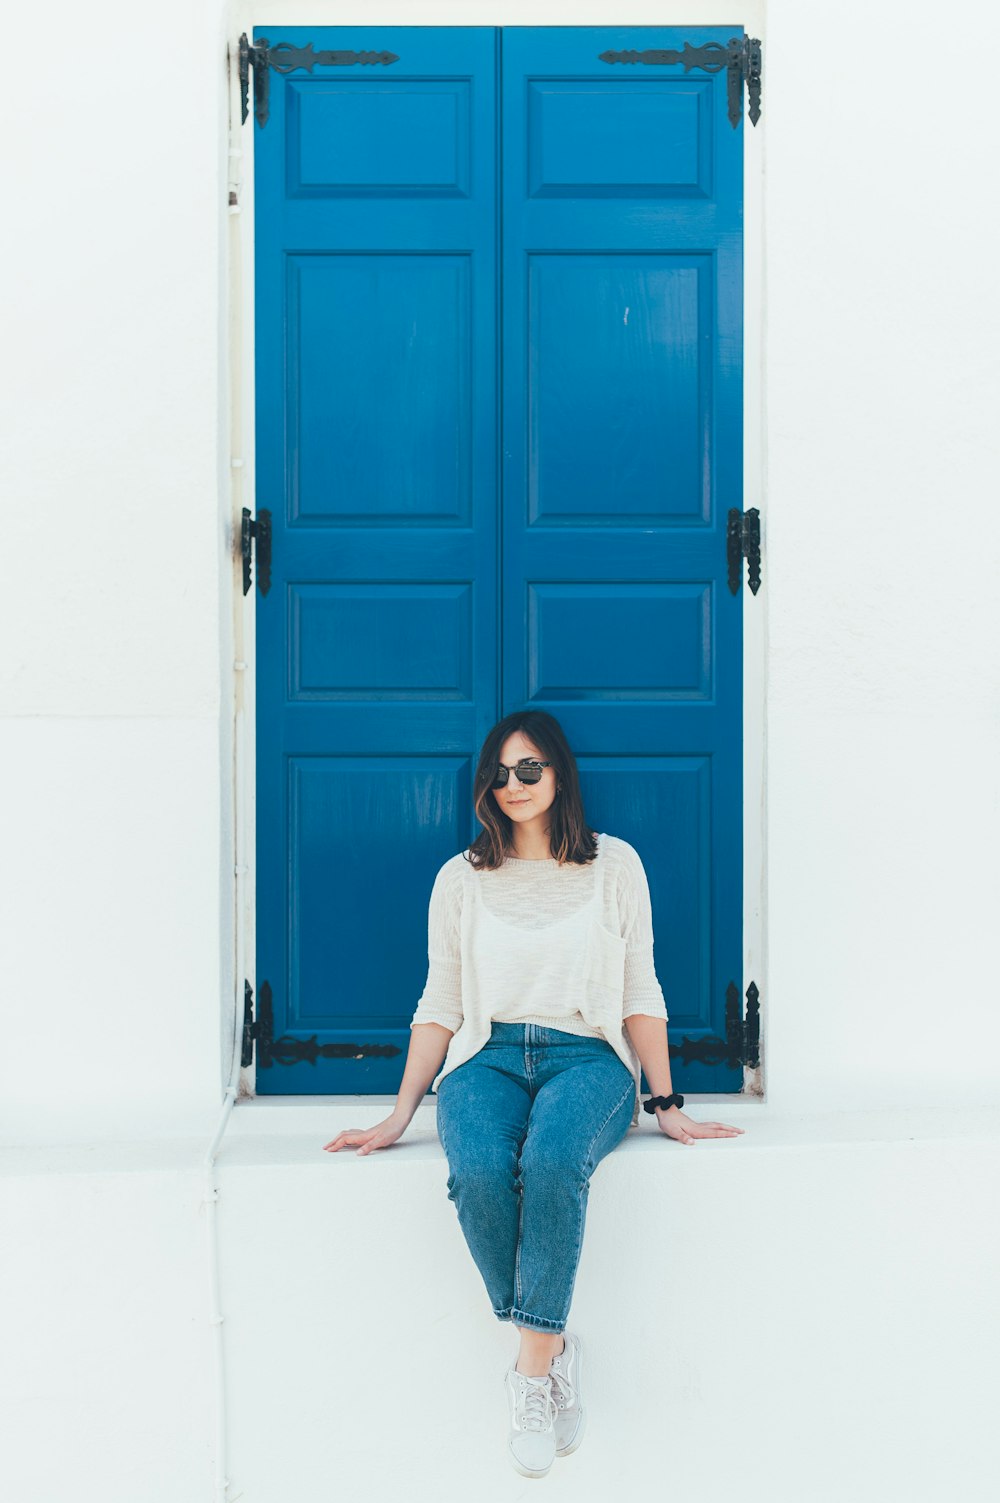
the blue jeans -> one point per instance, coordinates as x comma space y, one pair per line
523, 1125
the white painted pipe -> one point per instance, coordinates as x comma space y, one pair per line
236, 471
211, 1189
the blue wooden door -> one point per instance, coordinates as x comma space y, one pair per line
499, 426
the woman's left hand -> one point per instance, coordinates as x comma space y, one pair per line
677, 1125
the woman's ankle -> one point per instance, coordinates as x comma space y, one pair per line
535, 1355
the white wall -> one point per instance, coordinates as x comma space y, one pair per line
115, 815
882, 554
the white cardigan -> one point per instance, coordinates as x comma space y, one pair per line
568, 947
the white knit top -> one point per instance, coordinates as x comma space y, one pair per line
568, 947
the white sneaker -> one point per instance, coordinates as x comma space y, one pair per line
531, 1443
565, 1374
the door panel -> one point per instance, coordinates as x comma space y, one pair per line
622, 452
377, 455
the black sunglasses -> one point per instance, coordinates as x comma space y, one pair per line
527, 772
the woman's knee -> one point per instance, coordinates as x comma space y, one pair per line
557, 1164
482, 1174
562, 1159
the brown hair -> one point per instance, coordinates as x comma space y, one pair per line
570, 837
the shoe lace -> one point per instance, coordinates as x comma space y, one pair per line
536, 1406
563, 1391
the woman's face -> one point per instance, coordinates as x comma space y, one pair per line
524, 802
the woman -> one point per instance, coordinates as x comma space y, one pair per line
541, 1004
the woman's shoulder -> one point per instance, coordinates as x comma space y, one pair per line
453, 871
619, 851
448, 887
625, 863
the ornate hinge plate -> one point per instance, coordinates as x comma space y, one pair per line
284, 58
259, 529
740, 56
288, 1050
741, 1045
743, 542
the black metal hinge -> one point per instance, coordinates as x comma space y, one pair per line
292, 1051
261, 1031
743, 541
284, 58
741, 1045
261, 530
740, 57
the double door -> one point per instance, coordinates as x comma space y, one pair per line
498, 323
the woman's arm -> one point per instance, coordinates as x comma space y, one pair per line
649, 1037
428, 1047
643, 993
424, 1058
644, 1012
438, 1015
441, 999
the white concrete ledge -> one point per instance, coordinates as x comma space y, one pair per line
765, 1126
270, 1130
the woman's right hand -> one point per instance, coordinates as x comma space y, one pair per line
379, 1136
